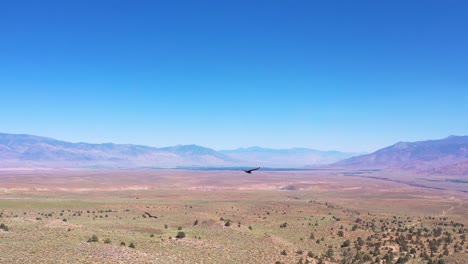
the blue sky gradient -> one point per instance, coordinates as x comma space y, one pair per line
344, 75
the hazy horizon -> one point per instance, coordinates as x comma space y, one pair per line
230, 149
351, 77
165, 146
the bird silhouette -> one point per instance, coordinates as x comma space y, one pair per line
149, 215
250, 171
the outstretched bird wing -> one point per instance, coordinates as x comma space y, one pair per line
249, 171
255, 169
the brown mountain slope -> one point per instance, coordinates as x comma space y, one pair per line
444, 156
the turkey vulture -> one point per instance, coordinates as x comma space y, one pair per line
149, 215
250, 171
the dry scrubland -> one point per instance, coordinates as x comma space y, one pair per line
73, 216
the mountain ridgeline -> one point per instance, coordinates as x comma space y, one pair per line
444, 156
33, 151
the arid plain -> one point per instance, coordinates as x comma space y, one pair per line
314, 216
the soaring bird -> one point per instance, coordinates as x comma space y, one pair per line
149, 215
250, 171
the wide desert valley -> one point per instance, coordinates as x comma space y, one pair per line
228, 216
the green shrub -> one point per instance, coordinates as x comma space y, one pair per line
4, 227
94, 238
180, 235
347, 243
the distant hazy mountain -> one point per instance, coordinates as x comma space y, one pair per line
31, 151
444, 156
34, 151
198, 155
293, 157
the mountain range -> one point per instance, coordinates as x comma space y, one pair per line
443, 156
34, 151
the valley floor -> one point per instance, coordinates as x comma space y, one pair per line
84, 216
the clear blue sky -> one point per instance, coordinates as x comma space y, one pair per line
344, 75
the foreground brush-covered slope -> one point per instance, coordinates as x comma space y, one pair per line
34, 151
444, 156
213, 217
